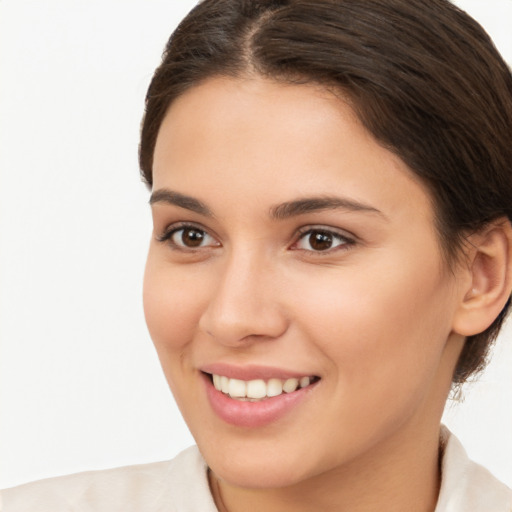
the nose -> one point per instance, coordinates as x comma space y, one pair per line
244, 306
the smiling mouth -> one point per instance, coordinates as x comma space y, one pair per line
259, 389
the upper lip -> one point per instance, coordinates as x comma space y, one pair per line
252, 372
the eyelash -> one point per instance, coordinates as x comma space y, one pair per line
346, 241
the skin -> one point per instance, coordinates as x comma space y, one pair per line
374, 316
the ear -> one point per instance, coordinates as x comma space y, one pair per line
488, 283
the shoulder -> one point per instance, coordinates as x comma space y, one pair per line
180, 484
467, 486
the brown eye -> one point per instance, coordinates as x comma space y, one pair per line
191, 238
318, 240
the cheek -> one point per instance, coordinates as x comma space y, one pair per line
381, 338
382, 328
172, 305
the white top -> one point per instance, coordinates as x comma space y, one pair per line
181, 485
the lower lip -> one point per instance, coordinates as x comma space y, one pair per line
253, 414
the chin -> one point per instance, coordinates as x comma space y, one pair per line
257, 464
271, 474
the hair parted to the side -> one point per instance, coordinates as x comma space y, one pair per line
423, 77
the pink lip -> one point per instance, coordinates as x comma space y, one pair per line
251, 372
253, 414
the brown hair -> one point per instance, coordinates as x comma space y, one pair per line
423, 77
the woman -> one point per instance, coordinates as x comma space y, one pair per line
330, 187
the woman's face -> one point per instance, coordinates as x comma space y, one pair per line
288, 244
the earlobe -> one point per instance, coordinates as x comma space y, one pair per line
489, 283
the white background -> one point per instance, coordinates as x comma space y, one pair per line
80, 385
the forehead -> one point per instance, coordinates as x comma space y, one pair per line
259, 139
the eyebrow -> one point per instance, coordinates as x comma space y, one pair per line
278, 212
316, 204
167, 196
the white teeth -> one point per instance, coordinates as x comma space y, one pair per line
304, 382
237, 388
258, 389
274, 387
290, 385
224, 384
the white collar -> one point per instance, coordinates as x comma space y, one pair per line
465, 485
